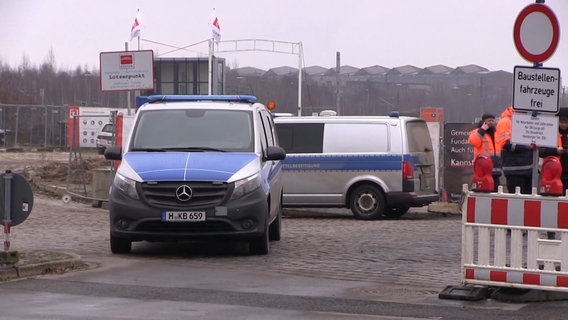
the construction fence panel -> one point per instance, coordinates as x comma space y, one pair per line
33, 126
515, 240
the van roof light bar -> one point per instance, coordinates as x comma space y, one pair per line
189, 98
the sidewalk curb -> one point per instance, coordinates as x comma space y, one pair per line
444, 207
38, 184
36, 263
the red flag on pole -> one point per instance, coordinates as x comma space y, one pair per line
136, 26
215, 26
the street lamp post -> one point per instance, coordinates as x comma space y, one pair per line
32, 111
3, 128
87, 75
398, 85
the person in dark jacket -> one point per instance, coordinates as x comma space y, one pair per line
563, 145
517, 160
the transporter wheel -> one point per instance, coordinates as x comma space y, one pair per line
367, 202
261, 245
396, 212
275, 229
120, 245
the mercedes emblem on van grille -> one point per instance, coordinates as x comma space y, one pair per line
184, 193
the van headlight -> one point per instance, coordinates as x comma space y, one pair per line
245, 186
126, 185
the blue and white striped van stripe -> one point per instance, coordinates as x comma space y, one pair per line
345, 162
187, 166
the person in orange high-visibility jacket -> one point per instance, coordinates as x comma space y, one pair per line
482, 139
517, 159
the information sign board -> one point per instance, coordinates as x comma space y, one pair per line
541, 130
536, 89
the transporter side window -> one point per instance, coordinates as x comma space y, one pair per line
263, 136
300, 137
418, 137
268, 129
356, 138
265, 122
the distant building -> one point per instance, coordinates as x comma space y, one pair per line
463, 92
188, 76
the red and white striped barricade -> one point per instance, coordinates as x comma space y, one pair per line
505, 240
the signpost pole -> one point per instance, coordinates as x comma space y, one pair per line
210, 66
535, 169
128, 102
535, 160
535, 151
7, 207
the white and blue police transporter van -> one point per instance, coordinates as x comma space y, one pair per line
375, 166
196, 167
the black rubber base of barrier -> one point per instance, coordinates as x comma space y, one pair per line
468, 293
502, 294
526, 295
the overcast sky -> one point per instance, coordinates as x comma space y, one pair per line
389, 33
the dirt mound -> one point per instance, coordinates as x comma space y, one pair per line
79, 171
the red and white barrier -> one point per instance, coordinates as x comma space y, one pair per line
505, 240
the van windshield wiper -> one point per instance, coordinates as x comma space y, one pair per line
198, 149
149, 149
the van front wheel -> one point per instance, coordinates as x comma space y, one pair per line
367, 202
261, 244
120, 245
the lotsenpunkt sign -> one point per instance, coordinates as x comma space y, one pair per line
127, 70
536, 89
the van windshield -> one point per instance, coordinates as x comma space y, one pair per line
194, 130
418, 137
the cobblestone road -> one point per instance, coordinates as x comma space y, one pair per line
419, 249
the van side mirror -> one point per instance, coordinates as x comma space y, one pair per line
113, 153
275, 153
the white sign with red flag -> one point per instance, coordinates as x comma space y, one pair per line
136, 26
215, 26
127, 70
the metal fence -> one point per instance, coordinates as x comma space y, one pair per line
33, 126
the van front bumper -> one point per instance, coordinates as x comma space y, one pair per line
136, 220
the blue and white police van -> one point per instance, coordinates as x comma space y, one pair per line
374, 165
197, 167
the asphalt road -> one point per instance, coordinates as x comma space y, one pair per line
421, 248
327, 266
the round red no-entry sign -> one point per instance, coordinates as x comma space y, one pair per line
536, 32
